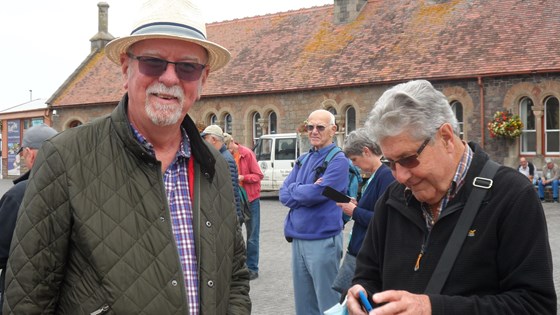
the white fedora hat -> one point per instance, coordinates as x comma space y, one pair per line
173, 19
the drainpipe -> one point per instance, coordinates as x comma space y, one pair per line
482, 125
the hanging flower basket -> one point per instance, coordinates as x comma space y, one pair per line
505, 125
302, 128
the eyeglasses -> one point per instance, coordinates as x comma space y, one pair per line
154, 67
410, 161
320, 128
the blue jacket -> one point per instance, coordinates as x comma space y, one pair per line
364, 211
234, 180
313, 216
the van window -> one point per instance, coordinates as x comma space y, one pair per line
263, 149
285, 149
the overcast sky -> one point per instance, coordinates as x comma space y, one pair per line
44, 41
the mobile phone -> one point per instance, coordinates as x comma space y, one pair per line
365, 302
335, 195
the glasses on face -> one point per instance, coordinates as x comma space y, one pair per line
320, 128
155, 67
410, 161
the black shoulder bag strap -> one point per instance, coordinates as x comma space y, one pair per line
481, 184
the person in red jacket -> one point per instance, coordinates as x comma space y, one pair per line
250, 176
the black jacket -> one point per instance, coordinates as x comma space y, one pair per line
9, 205
504, 266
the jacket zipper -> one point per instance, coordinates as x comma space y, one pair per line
417, 265
422, 251
101, 310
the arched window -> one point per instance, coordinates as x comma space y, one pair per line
332, 110
257, 131
457, 108
228, 124
529, 132
350, 119
272, 124
552, 125
213, 119
74, 123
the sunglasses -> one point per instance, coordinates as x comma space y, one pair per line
155, 67
320, 128
410, 161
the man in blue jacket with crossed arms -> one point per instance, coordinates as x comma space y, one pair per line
314, 223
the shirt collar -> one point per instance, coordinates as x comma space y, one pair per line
184, 150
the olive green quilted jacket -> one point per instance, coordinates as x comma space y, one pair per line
94, 232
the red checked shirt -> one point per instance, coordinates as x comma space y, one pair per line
176, 185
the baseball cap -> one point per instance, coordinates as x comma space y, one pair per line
214, 130
34, 137
548, 160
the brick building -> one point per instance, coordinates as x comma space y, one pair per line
485, 55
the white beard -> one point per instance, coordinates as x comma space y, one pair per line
164, 114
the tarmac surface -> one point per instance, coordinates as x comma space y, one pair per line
272, 292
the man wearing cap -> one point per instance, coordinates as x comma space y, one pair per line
549, 177
133, 213
214, 135
11, 200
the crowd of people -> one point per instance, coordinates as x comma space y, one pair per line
140, 212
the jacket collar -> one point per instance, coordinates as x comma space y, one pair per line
23, 177
199, 149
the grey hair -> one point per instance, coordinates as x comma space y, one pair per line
332, 120
415, 107
227, 138
357, 140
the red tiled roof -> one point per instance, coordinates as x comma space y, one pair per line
389, 41
98, 81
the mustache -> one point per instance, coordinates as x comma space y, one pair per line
171, 91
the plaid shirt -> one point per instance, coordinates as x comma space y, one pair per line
176, 184
456, 184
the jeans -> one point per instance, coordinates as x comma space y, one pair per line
315, 265
554, 189
253, 227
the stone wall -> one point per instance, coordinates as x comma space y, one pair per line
293, 107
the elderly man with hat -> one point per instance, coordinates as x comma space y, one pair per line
550, 177
214, 135
134, 212
33, 139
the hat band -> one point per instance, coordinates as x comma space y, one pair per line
170, 29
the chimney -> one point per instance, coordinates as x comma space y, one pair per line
346, 11
102, 37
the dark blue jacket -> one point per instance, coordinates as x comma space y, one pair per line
364, 211
234, 180
9, 206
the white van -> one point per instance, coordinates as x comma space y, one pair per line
276, 155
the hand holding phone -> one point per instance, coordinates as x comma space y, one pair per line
364, 301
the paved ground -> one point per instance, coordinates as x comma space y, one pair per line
272, 292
